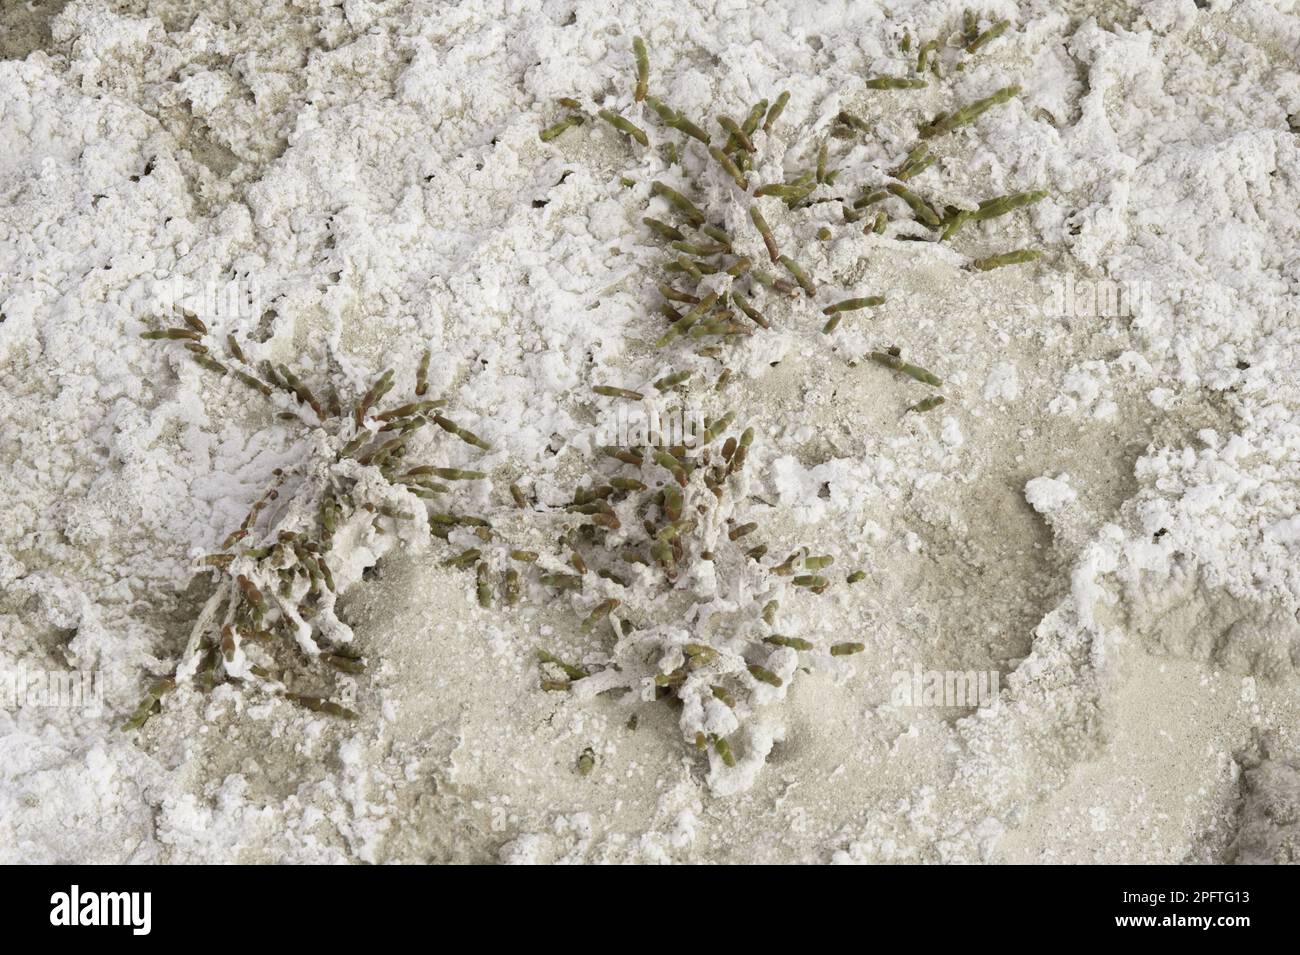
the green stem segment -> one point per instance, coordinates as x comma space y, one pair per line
774, 113
1018, 257
853, 304
890, 360
642, 69
624, 125
800, 276
769, 240
947, 122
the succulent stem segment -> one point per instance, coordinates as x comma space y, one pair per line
891, 360
642, 69
917, 160
895, 83
1002, 205
737, 134
853, 304
799, 274
554, 131
774, 113
980, 40
1018, 257
927, 404
947, 122
923, 53
769, 240
683, 205
919, 207
624, 125
674, 119
852, 121
729, 167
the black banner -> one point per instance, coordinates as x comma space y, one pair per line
299, 904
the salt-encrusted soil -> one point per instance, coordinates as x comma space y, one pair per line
1104, 512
